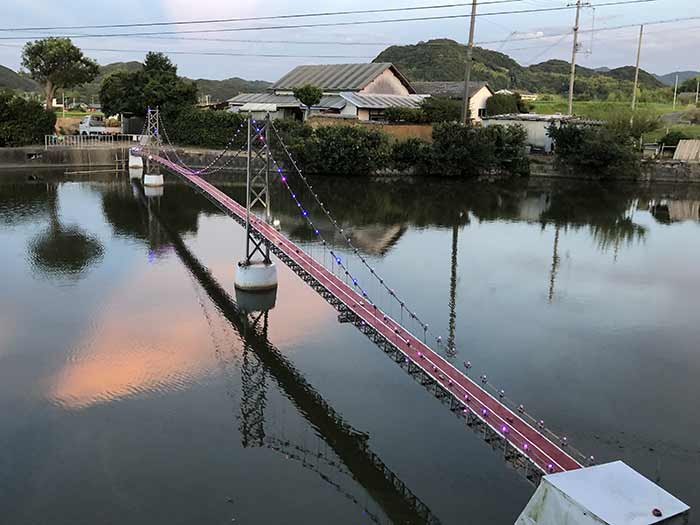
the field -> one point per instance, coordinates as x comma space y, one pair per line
598, 109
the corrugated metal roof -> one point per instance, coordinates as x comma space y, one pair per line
448, 89
285, 101
337, 77
382, 101
256, 106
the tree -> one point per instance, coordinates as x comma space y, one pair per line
156, 85
501, 104
689, 85
57, 63
23, 122
309, 95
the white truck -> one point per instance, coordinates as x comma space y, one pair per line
96, 125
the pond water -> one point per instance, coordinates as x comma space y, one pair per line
130, 394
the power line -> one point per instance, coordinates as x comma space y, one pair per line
256, 18
599, 29
330, 24
210, 53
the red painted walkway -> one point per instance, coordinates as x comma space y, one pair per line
546, 455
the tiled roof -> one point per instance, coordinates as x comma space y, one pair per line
382, 101
285, 101
336, 77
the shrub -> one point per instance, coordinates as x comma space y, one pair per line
411, 154
406, 115
672, 138
625, 123
205, 128
440, 109
501, 104
335, 149
594, 150
461, 151
23, 122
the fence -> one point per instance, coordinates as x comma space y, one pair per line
91, 141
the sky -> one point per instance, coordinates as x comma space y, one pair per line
666, 48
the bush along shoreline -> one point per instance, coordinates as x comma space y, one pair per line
457, 151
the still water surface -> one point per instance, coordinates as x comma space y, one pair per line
129, 394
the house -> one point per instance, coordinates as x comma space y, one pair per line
354, 91
536, 126
479, 93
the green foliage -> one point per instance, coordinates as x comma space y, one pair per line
155, 85
410, 154
672, 138
204, 128
625, 123
689, 86
309, 95
441, 109
501, 104
333, 150
432, 109
23, 122
405, 115
443, 60
596, 151
57, 63
467, 152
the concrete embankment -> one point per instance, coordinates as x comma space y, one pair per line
39, 157
651, 171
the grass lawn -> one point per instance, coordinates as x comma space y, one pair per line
598, 109
692, 131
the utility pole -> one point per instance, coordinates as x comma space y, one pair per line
636, 71
675, 93
697, 92
573, 58
468, 67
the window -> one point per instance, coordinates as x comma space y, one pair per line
482, 112
376, 115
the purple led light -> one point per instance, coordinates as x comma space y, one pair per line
525, 446
504, 429
284, 179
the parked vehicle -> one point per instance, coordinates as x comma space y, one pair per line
96, 125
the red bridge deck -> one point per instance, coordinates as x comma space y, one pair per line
509, 425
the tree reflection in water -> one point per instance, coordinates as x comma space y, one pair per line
62, 253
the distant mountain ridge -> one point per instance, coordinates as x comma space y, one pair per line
670, 78
443, 60
216, 89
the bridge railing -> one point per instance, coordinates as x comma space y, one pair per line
90, 141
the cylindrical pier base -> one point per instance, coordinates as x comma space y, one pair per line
258, 301
152, 179
256, 277
135, 173
153, 191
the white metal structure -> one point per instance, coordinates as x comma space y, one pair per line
89, 141
609, 494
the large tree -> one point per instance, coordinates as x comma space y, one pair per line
57, 63
156, 85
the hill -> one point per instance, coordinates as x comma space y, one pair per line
670, 78
230, 87
216, 89
11, 80
444, 59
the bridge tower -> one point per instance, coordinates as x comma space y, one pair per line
257, 272
152, 177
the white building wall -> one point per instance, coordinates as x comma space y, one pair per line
386, 84
537, 136
478, 101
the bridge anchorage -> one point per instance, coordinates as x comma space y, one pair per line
257, 274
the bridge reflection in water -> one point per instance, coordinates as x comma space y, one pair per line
350, 445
